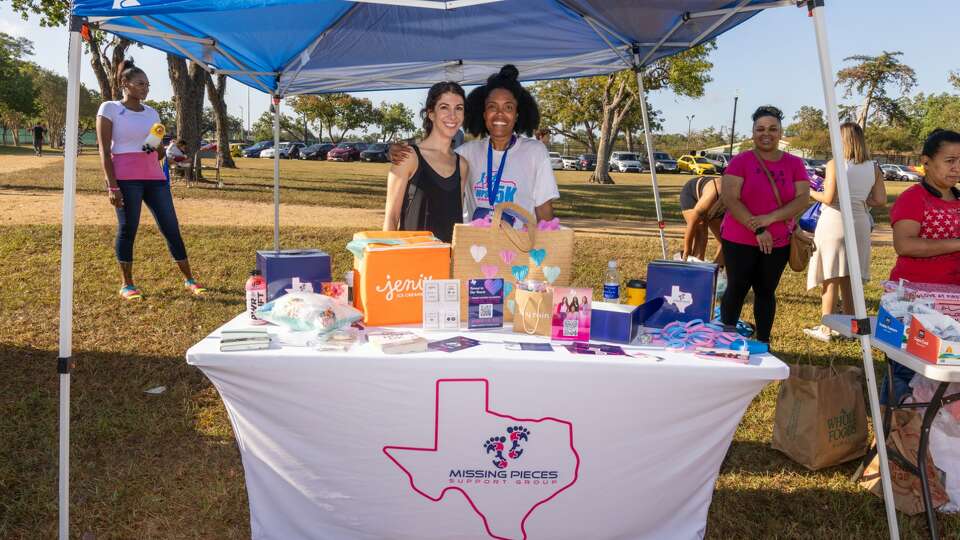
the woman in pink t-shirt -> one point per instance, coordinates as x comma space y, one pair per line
756, 229
134, 177
926, 228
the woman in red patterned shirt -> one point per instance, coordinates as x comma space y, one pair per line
926, 226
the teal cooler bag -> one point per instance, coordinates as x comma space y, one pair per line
687, 290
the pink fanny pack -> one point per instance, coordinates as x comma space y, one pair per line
137, 166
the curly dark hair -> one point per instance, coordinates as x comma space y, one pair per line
768, 110
433, 95
528, 113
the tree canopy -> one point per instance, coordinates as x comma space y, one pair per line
870, 77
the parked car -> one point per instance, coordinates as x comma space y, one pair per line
267, 153
254, 151
625, 162
919, 169
718, 159
236, 149
890, 172
569, 163
316, 151
696, 165
899, 172
346, 151
818, 165
376, 152
586, 162
291, 150
556, 162
664, 162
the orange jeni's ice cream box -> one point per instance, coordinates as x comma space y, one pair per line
389, 269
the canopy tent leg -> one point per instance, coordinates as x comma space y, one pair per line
850, 243
66, 270
653, 163
276, 172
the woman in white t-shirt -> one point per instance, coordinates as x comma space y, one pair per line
134, 176
512, 167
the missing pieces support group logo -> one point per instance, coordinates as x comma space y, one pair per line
515, 437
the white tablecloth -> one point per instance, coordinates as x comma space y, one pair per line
374, 446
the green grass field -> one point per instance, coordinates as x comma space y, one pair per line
167, 466
363, 185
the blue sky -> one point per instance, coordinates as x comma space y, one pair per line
771, 58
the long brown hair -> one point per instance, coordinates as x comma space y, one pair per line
854, 143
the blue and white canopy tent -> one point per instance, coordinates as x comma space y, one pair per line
290, 47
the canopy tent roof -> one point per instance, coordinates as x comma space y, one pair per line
288, 47
293, 47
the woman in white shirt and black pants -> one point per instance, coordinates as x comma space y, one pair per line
134, 176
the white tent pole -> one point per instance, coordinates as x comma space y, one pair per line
66, 270
850, 243
653, 163
276, 171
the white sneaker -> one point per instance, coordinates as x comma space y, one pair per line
819, 333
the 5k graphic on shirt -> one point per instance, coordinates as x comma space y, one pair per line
506, 193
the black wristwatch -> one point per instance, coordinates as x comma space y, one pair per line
759, 230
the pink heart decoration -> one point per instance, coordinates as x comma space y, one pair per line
489, 271
550, 225
507, 256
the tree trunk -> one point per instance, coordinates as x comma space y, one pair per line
16, 135
629, 135
104, 59
601, 174
614, 110
188, 86
215, 93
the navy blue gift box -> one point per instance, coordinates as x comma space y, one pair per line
297, 269
687, 289
620, 323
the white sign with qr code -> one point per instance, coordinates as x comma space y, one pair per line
570, 326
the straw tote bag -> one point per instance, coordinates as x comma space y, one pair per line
504, 252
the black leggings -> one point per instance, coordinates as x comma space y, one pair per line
748, 267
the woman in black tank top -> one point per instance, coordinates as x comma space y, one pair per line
425, 191
703, 211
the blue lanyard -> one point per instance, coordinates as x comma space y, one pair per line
493, 184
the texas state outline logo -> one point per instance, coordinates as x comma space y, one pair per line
520, 465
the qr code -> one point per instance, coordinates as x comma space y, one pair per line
486, 311
570, 327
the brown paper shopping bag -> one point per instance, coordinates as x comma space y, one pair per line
821, 417
534, 313
904, 436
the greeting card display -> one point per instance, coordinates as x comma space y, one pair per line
485, 303
441, 304
571, 314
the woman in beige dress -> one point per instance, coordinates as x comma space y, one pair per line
829, 266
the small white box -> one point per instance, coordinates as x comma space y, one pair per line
441, 304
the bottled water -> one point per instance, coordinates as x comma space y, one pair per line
611, 284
